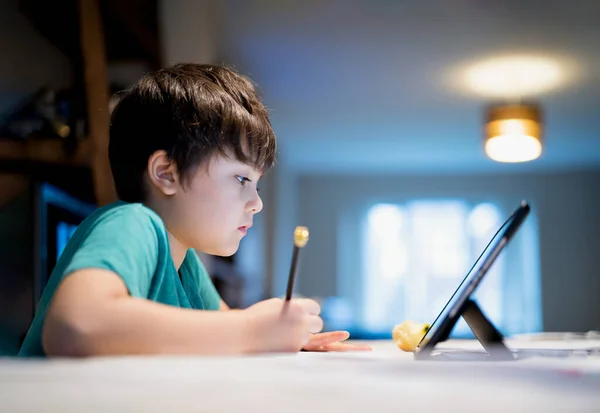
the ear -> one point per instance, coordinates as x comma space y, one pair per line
163, 173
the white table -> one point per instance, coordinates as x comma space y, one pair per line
384, 380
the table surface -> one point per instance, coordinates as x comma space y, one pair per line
384, 380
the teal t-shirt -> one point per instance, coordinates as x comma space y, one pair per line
130, 240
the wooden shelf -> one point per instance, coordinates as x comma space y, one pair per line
90, 33
51, 151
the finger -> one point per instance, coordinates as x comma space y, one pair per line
310, 306
315, 324
305, 340
323, 339
345, 347
356, 347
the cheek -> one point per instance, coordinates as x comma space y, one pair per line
209, 213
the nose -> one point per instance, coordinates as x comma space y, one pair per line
255, 205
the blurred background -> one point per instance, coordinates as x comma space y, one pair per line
390, 150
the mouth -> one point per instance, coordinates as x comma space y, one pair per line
244, 229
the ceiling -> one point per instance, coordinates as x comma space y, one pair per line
373, 86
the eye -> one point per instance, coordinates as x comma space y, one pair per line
242, 179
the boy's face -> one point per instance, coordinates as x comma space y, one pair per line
216, 207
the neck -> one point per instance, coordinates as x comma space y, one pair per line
178, 250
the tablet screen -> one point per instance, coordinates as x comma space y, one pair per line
468, 284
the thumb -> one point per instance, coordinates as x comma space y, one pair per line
310, 306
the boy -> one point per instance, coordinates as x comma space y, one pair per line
188, 145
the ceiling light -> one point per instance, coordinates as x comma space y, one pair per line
513, 133
514, 76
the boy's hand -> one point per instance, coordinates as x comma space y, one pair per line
332, 342
274, 325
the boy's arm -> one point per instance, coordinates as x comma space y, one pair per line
223, 306
93, 314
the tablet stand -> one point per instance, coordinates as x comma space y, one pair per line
490, 338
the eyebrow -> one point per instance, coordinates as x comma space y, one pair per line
250, 168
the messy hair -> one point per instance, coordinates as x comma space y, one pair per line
192, 111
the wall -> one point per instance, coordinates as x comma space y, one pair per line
190, 31
566, 205
28, 61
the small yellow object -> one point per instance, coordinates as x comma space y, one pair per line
409, 334
300, 236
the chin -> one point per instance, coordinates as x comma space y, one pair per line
224, 254
225, 251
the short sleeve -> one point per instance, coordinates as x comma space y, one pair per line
126, 242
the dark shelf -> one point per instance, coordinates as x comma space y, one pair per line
48, 151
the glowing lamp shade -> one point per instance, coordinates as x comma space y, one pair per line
513, 133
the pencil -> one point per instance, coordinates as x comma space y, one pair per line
300, 240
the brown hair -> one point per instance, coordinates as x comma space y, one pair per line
191, 111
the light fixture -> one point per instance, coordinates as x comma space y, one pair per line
513, 133
515, 75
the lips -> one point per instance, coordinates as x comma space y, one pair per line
244, 228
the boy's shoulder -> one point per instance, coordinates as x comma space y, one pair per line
126, 214
129, 224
